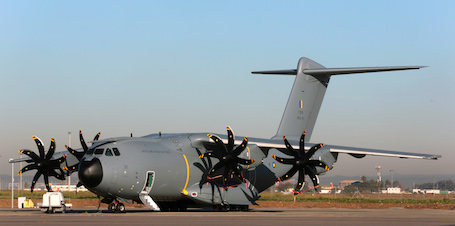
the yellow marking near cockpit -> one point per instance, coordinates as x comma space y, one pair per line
185, 192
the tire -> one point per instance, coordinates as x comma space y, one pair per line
121, 208
111, 207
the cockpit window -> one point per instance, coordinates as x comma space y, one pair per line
116, 151
99, 151
108, 152
89, 151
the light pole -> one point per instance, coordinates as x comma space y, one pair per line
392, 176
12, 183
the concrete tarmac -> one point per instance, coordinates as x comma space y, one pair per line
256, 216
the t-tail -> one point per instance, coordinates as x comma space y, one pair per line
305, 100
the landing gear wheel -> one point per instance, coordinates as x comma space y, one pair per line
120, 208
112, 207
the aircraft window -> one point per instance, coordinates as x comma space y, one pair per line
99, 151
108, 152
89, 151
116, 152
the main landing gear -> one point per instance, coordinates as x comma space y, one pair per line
116, 207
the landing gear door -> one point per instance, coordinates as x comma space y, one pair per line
149, 179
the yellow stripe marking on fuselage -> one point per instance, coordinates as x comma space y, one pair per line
185, 192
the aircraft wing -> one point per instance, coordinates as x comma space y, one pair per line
353, 151
361, 152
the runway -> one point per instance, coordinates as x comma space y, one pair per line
257, 216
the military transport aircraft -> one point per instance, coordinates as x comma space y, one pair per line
170, 172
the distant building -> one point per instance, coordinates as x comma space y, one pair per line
394, 190
67, 188
426, 191
326, 189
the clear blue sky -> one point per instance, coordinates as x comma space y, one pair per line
184, 66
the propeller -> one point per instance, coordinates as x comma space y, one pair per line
227, 156
44, 164
79, 154
301, 163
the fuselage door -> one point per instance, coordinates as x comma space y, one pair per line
149, 179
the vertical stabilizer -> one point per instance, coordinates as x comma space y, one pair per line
308, 92
304, 102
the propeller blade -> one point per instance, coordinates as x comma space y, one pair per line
318, 163
216, 167
27, 168
30, 154
289, 147
225, 175
51, 151
97, 136
72, 168
302, 142
39, 143
241, 147
218, 142
60, 176
289, 174
284, 160
245, 161
76, 154
83, 144
231, 138
46, 181
210, 154
301, 180
313, 150
35, 179
312, 176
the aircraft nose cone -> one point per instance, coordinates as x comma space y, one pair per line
90, 172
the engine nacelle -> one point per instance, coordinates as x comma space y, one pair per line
324, 155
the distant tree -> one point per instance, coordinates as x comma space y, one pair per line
387, 183
443, 185
364, 186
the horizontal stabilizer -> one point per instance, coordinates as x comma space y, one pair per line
338, 71
354, 70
